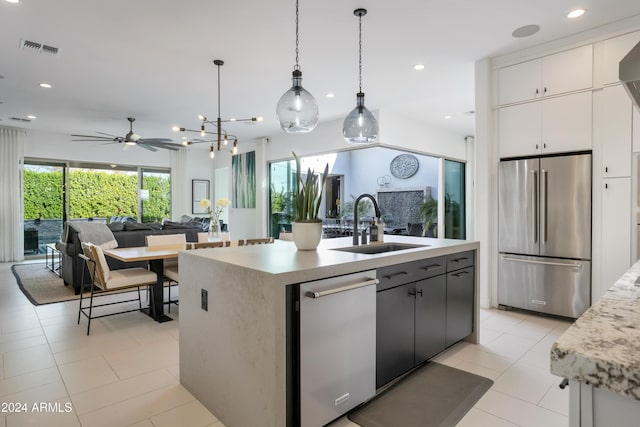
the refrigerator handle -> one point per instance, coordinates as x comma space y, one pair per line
543, 205
534, 206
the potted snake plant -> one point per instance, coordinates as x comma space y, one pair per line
307, 227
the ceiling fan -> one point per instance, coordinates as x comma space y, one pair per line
151, 144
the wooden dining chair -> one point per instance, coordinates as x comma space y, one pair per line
103, 281
211, 245
258, 241
157, 240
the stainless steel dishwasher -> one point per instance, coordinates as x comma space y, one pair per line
337, 346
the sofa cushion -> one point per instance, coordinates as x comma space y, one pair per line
116, 226
170, 225
130, 226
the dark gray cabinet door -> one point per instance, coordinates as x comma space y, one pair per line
394, 333
459, 304
431, 303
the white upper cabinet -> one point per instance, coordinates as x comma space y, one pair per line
520, 130
552, 75
566, 123
613, 51
554, 125
614, 122
520, 82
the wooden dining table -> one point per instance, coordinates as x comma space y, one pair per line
155, 256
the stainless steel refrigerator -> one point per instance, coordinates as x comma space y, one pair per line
544, 231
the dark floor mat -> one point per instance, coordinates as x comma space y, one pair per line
434, 395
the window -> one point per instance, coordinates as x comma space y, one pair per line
454, 200
55, 192
406, 193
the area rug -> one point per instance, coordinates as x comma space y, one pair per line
41, 285
435, 395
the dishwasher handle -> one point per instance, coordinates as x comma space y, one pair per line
321, 294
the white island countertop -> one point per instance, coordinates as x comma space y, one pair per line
602, 348
290, 265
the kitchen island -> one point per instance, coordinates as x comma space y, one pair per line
600, 355
237, 319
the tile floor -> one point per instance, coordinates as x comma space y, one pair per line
126, 372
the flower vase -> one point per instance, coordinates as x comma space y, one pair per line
214, 234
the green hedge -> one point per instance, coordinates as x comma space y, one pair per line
94, 194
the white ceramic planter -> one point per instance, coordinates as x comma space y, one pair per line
307, 235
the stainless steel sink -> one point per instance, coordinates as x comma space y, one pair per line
379, 248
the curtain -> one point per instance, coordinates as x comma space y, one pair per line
11, 203
179, 194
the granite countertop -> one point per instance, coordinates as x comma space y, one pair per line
602, 348
282, 259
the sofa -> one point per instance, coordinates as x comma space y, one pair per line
125, 234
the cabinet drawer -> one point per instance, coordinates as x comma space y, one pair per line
460, 260
396, 275
430, 267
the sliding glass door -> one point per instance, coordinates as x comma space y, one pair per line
55, 192
44, 211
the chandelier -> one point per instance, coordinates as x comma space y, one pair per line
222, 137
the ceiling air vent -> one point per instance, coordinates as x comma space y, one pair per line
19, 119
28, 44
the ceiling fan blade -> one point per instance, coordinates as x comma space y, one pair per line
108, 134
154, 140
147, 147
94, 137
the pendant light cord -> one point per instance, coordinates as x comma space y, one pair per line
219, 91
360, 51
297, 67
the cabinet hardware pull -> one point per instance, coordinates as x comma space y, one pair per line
545, 89
392, 275
459, 259
606, 168
462, 273
557, 264
342, 289
537, 91
415, 292
419, 292
606, 186
429, 267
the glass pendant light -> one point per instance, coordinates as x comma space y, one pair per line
360, 126
297, 110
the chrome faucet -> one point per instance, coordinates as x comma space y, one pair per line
355, 215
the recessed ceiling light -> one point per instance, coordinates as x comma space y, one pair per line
13, 1
259, 118
448, 117
45, 85
576, 13
331, 95
418, 67
31, 116
525, 31
113, 166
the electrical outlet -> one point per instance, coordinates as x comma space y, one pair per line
204, 300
